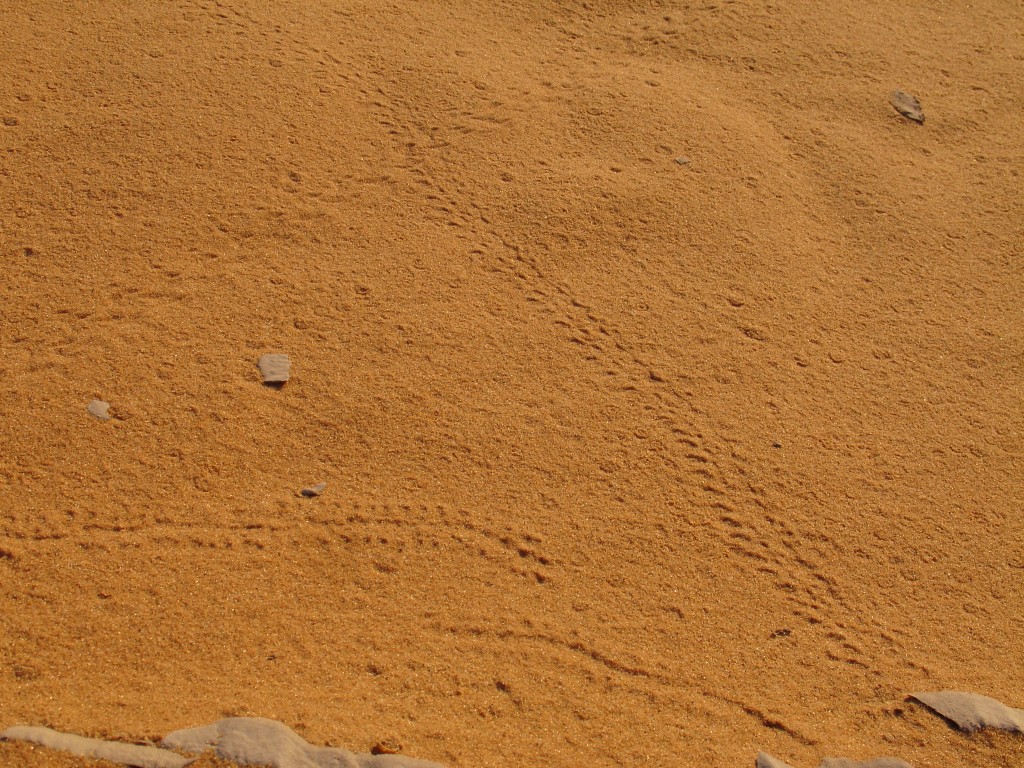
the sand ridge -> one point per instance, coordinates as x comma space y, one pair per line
627, 460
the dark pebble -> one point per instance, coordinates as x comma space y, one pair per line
314, 490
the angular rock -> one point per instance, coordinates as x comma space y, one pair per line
878, 762
764, 760
972, 711
114, 751
99, 409
274, 369
314, 490
258, 741
907, 105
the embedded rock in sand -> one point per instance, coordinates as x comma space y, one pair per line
114, 751
972, 711
274, 369
907, 105
99, 409
258, 741
878, 762
764, 760
313, 490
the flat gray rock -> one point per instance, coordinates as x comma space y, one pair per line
972, 711
274, 369
257, 741
907, 105
878, 762
99, 409
114, 751
764, 760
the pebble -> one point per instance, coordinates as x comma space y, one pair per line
907, 105
99, 409
274, 369
314, 490
764, 760
878, 762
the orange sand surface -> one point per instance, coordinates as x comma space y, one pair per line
630, 460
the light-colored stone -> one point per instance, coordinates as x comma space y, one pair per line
99, 409
257, 741
764, 760
275, 369
114, 751
878, 762
907, 105
972, 711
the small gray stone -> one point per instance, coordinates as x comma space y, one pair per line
907, 105
764, 760
683, 160
99, 409
972, 711
878, 762
314, 490
274, 369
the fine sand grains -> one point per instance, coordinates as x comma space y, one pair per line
629, 461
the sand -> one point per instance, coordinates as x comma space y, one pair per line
666, 381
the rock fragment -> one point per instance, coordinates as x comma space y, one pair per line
114, 751
314, 490
258, 741
878, 762
274, 369
99, 409
907, 105
972, 711
764, 760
